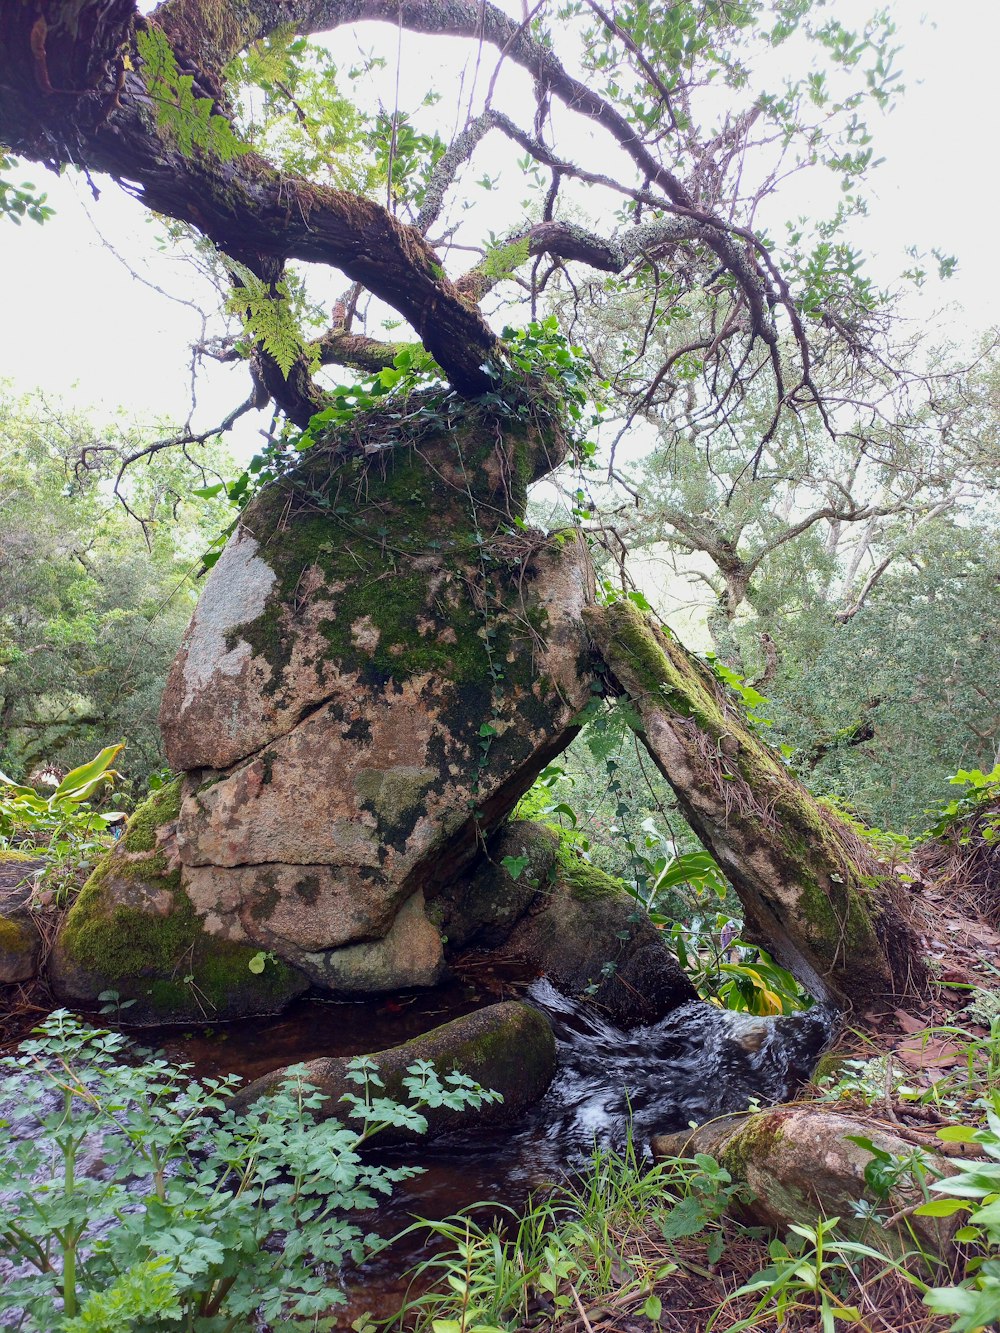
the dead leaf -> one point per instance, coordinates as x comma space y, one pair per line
932, 1054
909, 1023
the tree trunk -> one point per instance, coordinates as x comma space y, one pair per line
813, 891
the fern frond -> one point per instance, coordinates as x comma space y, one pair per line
187, 119
267, 315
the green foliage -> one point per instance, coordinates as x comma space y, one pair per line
501, 260
267, 313
93, 602
290, 108
579, 1244
188, 120
64, 827
981, 789
22, 810
807, 1274
20, 201
397, 402
541, 351
970, 1084
199, 1216
975, 1190
403, 156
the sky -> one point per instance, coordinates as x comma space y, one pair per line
79, 326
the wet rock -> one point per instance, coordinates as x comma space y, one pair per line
483, 909
589, 938
381, 662
801, 1165
133, 929
508, 1047
411, 954
20, 940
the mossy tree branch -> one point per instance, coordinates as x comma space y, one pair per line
813, 891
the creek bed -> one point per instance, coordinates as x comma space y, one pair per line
697, 1063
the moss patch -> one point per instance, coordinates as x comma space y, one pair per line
836, 882
165, 961
586, 882
13, 855
16, 940
361, 524
160, 808
751, 1143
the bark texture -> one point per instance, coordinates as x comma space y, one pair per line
813, 892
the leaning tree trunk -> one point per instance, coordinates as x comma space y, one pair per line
812, 890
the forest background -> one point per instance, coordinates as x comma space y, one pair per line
873, 640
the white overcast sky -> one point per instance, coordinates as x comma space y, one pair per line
77, 325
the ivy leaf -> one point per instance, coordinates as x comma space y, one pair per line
515, 866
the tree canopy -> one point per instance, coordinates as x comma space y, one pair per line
233, 119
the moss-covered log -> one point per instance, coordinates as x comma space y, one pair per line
813, 891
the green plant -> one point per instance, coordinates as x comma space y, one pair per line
811, 1271
981, 789
20, 201
72, 832
975, 1189
185, 118
577, 1246
202, 1218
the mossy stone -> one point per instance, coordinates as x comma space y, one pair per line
134, 930
20, 949
507, 1047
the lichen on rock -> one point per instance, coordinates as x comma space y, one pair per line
389, 687
133, 929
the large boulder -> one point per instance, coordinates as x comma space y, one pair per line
382, 660
507, 1047
133, 929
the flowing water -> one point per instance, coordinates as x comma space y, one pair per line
697, 1063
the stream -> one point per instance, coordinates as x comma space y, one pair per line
697, 1063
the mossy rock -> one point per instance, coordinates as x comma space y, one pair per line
384, 658
20, 948
588, 935
482, 909
20, 938
507, 1047
133, 930
801, 1165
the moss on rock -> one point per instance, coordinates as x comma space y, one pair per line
20, 948
160, 808
813, 892
134, 930
507, 1047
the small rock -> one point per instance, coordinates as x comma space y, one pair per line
507, 1047
801, 1166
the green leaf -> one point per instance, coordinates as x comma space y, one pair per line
89, 775
942, 1207
515, 866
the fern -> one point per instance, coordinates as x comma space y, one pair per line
267, 315
187, 119
502, 260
